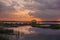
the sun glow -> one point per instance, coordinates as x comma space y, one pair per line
20, 19
59, 19
21, 16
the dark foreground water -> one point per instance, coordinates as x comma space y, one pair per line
31, 33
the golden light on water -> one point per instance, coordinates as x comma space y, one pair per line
23, 29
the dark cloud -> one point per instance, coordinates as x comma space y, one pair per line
54, 5
46, 15
46, 9
44, 4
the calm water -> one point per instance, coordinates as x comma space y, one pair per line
31, 33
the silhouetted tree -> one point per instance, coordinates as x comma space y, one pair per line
33, 23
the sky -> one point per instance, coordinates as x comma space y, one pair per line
27, 10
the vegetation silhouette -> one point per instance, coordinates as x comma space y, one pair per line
33, 23
3, 38
55, 26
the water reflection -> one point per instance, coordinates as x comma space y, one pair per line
32, 33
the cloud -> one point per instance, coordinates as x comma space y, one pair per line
9, 8
46, 15
45, 9
43, 4
6, 11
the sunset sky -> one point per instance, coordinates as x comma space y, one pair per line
27, 10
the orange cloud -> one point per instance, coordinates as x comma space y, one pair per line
22, 12
20, 16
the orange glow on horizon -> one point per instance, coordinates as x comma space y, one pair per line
59, 19
20, 19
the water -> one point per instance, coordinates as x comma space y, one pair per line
31, 33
